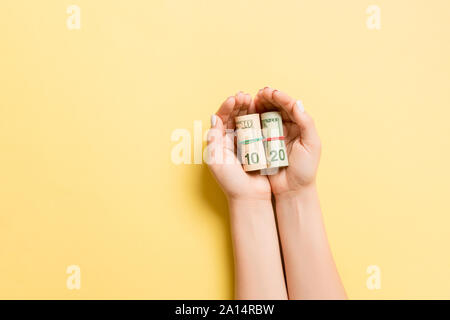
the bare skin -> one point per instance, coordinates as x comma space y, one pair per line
310, 269
309, 266
258, 267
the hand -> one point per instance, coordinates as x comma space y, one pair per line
301, 138
223, 163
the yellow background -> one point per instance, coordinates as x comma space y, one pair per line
86, 118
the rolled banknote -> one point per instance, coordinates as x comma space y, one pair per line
250, 146
272, 130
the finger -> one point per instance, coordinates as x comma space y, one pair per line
258, 104
267, 93
261, 103
245, 105
225, 109
215, 140
252, 107
296, 111
239, 97
217, 131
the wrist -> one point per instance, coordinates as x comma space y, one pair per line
303, 204
302, 193
249, 206
244, 199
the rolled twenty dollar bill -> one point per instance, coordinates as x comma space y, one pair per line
250, 146
274, 144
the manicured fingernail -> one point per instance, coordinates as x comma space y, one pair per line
213, 120
300, 106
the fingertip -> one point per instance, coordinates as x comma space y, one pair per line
229, 102
248, 99
226, 108
239, 98
281, 98
216, 129
299, 106
213, 120
267, 93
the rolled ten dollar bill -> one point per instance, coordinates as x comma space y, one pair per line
274, 144
249, 142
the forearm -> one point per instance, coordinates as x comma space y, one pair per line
258, 267
310, 269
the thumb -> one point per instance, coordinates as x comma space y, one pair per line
214, 148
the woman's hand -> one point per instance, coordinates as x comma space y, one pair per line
222, 160
301, 138
257, 259
309, 266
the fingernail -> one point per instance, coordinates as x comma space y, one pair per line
213, 120
300, 106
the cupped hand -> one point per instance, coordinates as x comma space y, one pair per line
222, 160
301, 138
